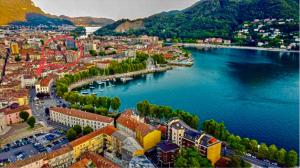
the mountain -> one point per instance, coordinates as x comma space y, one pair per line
206, 18
24, 12
88, 21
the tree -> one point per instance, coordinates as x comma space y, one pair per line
87, 130
272, 152
253, 145
24, 115
102, 111
93, 52
190, 157
263, 151
78, 129
88, 108
181, 162
115, 103
280, 156
18, 58
292, 159
71, 134
31, 121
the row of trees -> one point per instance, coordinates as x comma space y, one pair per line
92, 103
146, 109
77, 130
101, 53
128, 65
190, 157
242, 145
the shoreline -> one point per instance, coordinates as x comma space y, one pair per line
202, 46
110, 77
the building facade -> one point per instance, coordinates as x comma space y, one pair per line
71, 117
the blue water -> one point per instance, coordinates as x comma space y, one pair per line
256, 93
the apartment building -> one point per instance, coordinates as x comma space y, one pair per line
184, 136
71, 117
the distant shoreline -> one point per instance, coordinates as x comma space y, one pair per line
236, 47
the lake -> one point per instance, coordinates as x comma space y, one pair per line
255, 93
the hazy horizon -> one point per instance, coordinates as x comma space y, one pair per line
113, 9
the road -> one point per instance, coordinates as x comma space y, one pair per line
250, 159
38, 108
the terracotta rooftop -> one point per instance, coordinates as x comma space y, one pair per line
27, 161
133, 124
45, 81
59, 152
108, 130
83, 163
7, 111
82, 114
99, 161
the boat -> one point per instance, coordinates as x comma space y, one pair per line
94, 94
100, 82
114, 79
84, 93
124, 79
101, 90
92, 87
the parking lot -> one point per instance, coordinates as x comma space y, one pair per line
26, 147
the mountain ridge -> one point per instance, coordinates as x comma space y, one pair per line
208, 18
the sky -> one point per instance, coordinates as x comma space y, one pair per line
114, 9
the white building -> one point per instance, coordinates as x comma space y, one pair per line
27, 81
44, 85
71, 117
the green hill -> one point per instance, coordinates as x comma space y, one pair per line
207, 18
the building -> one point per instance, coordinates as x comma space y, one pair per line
12, 114
147, 135
141, 161
126, 146
96, 141
62, 157
14, 48
36, 161
28, 81
166, 153
184, 136
71, 117
44, 85
3, 124
98, 160
70, 44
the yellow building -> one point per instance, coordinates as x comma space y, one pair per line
14, 48
147, 135
214, 152
92, 142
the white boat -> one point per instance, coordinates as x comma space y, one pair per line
124, 79
84, 93
94, 94
92, 87
100, 82
101, 90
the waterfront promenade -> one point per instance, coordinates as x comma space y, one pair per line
203, 46
110, 77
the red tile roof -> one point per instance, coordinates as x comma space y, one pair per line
7, 111
59, 152
133, 124
82, 114
99, 161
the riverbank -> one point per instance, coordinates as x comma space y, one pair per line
110, 77
203, 46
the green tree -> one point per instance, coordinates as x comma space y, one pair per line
181, 162
93, 53
272, 152
292, 159
87, 130
71, 134
88, 108
253, 145
24, 115
281, 156
102, 111
115, 103
18, 58
31, 121
78, 129
263, 151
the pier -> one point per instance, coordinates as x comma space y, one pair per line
111, 77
